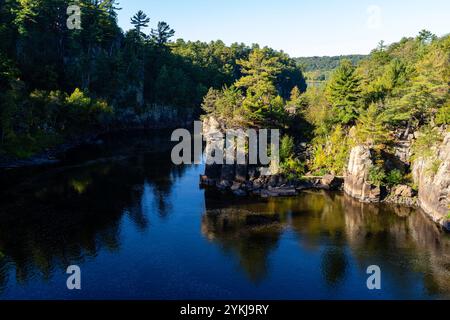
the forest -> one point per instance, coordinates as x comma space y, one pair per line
57, 84
399, 90
320, 68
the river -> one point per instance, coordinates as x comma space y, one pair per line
141, 228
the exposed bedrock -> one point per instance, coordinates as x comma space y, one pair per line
432, 176
356, 182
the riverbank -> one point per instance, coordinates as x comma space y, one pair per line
50, 155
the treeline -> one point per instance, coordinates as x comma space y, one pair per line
319, 68
326, 62
398, 90
57, 83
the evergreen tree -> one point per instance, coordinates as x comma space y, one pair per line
260, 72
344, 92
371, 128
162, 34
295, 101
140, 20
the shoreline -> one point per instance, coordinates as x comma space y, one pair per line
270, 189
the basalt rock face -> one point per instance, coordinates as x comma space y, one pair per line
155, 116
356, 179
245, 179
434, 186
213, 132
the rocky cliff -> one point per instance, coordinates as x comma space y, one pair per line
244, 179
432, 176
356, 179
155, 116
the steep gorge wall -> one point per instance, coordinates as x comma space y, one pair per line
432, 176
156, 116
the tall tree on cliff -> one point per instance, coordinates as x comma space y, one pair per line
162, 34
344, 93
140, 20
262, 103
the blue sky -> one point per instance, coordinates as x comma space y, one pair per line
298, 27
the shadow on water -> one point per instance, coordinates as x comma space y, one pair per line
343, 230
67, 214
73, 212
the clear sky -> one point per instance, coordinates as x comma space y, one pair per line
298, 27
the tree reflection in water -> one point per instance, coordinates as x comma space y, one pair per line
338, 226
73, 213
68, 215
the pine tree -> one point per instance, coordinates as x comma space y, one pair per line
294, 102
162, 34
344, 92
140, 20
371, 128
260, 72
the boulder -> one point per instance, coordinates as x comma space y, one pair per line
403, 191
253, 173
258, 183
329, 181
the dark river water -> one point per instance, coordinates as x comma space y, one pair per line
141, 228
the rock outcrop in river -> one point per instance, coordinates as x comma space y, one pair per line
432, 176
244, 179
356, 182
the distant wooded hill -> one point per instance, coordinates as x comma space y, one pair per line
318, 68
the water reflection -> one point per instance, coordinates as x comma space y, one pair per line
344, 231
68, 215
76, 212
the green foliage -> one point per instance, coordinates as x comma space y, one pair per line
443, 114
25, 146
434, 166
394, 177
127, 71
428, 137
344, 92
292, 168
371, 129
324, 64
140, 20
377, 175
225, 105
330, 153
411, 80
294, 104
318, 111
162, 34
287, 146
401, 87
255, 99
260, 71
